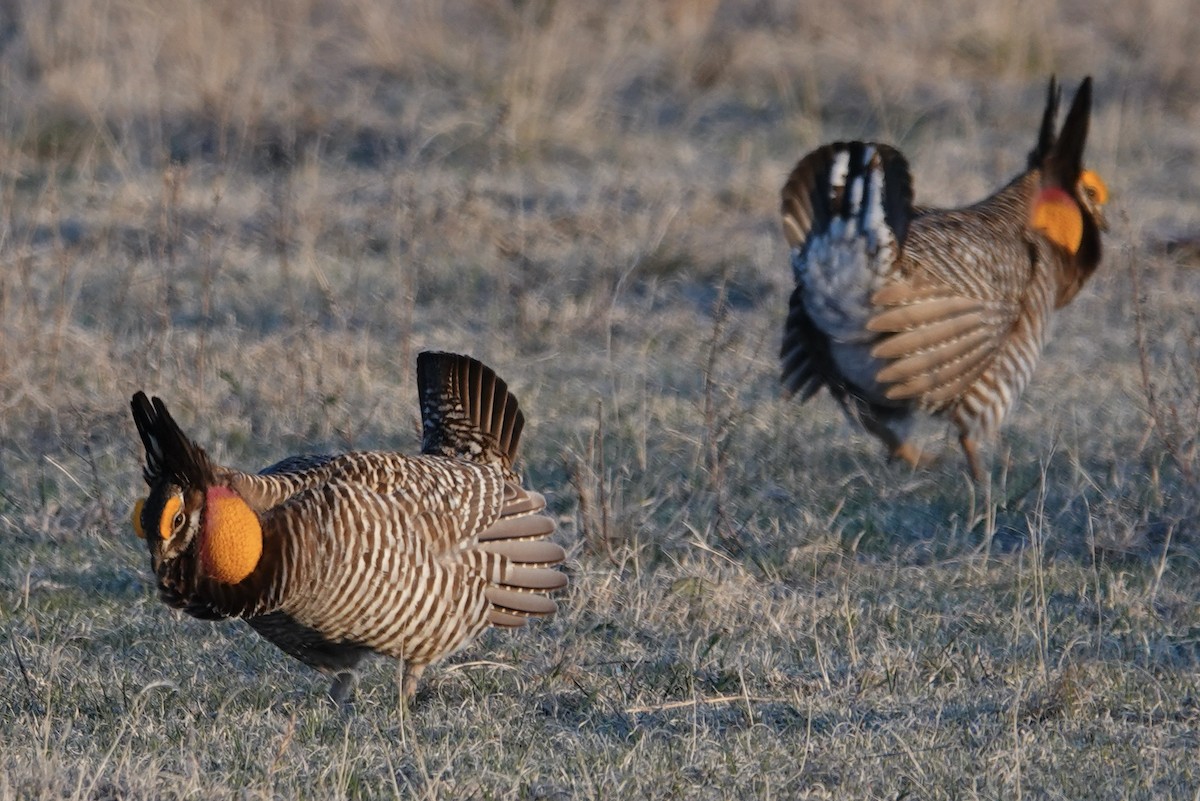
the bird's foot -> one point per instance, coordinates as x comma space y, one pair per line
916, 458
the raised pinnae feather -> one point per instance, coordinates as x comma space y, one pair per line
1064, 162
144, 417
1046, 132
169, 452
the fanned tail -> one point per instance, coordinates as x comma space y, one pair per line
845, 210
467, 411
864, 183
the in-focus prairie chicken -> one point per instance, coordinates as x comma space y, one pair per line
332, 557
899, 308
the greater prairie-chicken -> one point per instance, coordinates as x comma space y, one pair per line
899, 308
333, 557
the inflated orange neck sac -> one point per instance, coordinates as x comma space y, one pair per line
1057, 216
231, 540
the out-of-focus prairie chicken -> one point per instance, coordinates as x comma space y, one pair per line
332, 557
899, 308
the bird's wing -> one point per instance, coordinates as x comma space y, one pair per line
404, 545
936, 342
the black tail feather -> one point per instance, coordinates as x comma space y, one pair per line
466, 409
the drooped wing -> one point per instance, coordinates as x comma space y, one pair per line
450, 499
378, 552
937, 343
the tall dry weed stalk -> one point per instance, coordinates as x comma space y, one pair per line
717, 422
588, 475
1172, 393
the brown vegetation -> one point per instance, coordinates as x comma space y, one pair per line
263, 210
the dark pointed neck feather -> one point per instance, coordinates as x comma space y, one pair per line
1046, 134
169, 453
1065, 161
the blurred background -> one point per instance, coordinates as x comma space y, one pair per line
263, 210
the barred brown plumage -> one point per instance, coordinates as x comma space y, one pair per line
899, 308
334, 557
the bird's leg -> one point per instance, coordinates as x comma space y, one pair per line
892, 428
972, 451
342, 689
412, 674
916, 458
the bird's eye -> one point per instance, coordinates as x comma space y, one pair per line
172, 518
1091, 193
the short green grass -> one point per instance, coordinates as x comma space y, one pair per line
263, 211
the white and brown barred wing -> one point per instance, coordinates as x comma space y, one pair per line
964, 324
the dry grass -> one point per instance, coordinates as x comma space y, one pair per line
263, 211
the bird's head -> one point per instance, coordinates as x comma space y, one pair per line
1068, 205
190, 509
